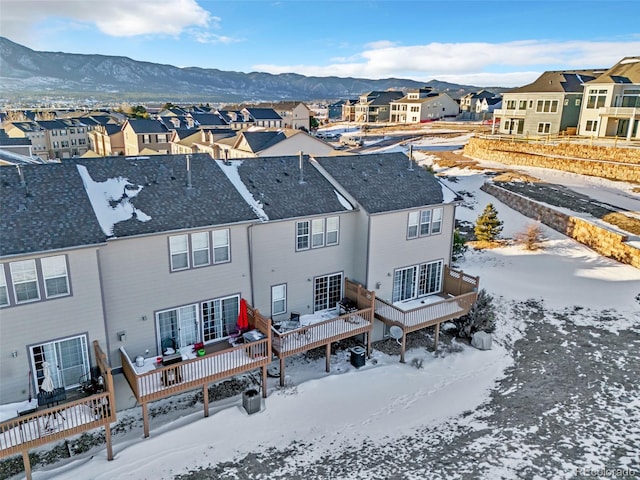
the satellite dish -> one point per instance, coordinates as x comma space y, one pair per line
396, 332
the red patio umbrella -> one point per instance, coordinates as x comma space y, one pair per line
243, 316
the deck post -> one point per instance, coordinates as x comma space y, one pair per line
107, 437
27, 464
205, 397
282, 371
328, 357
264, 381
145, 419
435, 343
403, 347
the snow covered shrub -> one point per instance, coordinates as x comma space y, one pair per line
481, 317
531, 237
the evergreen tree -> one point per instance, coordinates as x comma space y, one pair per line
488, 225
459, 246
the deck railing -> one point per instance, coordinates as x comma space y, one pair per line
20, 434
199, 372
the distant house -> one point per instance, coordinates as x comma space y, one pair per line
611, 105
263, 117
270, 143
549, 105
486, 107
349, 110
334, 110
422, 105
142, 134
51, 139
469, 102
375, 106
106, 140
32, 132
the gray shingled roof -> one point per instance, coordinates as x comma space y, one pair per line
263, 113
558, 81
51, 212
259, 141
165, 197
626, 70
147, 126
207, 119
275, 182
383, 182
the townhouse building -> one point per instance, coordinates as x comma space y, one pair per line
422, 105
375, 106
611, 106
549, 105
136, 252
141, 134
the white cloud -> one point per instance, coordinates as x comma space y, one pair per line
484, 64
118, 18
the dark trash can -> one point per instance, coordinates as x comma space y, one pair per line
358, 356
251, 401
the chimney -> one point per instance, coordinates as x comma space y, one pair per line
189, 185
226, 156
301, 167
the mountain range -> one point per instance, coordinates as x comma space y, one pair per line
29, 74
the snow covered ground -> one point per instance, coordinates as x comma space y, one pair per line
557, 393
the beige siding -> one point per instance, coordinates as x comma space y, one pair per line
39, 322
138, 282
390, 249
275, 261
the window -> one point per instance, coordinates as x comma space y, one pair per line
68, 361
522, 105
162, 138
302, 235
566, 102
327, 291
317, 233
417, 280
425, 222
596, 98
544, 127
4, 293
54, 273
179, 249
592, 126
577, 102
200, 249
530, 103
412, 231
219, 317
333, 230
511, 104
278, 299
179, 324
436, 221
547, 106
146, 139
25, 281
221, 252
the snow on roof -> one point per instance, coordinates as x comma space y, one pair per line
230, 169
343, 201
111, 200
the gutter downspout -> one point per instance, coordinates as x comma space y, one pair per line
250, 244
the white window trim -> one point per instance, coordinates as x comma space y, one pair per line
14, 283
3, 285
335, 230
416, 224
413, 223
226, 245
300, 236
46, 277
279, 294
181, 251
317, 233
194, 250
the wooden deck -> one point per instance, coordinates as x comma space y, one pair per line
164, 381
45, 425
460, 292
325, 332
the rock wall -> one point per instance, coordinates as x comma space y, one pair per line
622, 164
606, 242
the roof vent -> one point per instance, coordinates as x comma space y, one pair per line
189, 185
301, 167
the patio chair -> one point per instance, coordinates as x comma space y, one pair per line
168, 343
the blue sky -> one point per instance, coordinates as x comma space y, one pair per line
482, 43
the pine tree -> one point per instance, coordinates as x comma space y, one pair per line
488, 225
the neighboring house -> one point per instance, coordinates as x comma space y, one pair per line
611, 105
209, 120
236, 119
422, 105
488, 105
549, 105
469, 102
146, 135
106, 140
295, 115
349, 110
16, 151
30, 131
334, 110
263, 117
136, 252
375, 106
271, 143
66, 137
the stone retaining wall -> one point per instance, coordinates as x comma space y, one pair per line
622, 164
606, 242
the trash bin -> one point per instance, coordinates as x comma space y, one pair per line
251, 401
358, 356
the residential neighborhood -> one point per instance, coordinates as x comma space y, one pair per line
131, 246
